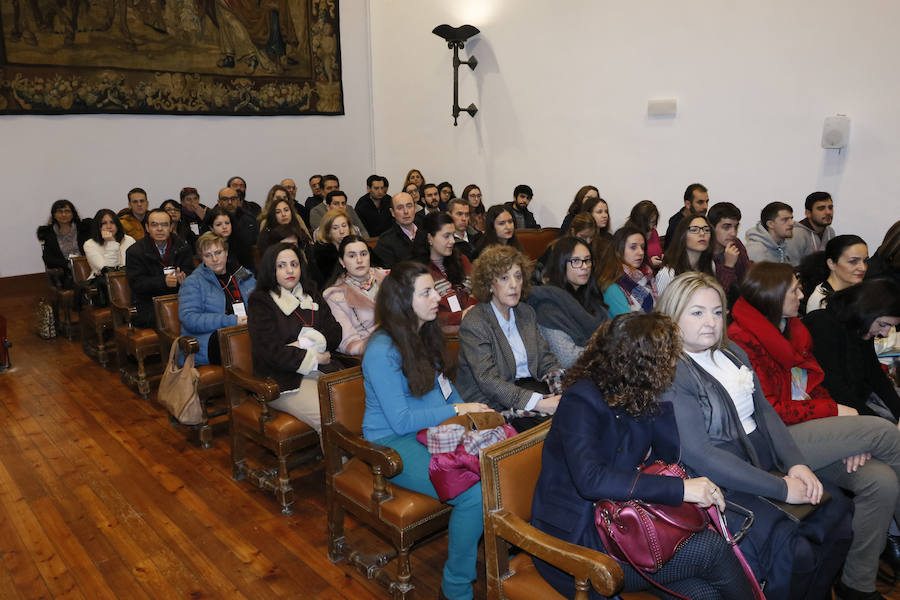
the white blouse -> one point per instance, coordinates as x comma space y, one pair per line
738, 382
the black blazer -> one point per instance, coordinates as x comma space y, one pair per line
144, 271
52, 255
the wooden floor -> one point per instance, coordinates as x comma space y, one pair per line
101, 498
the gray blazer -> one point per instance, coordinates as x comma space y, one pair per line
487, 368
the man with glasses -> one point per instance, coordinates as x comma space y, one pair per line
315, 187
239, 184
696, 201
156, 265
132, 218
244, 228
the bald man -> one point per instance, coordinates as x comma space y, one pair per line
396, 244
243, 226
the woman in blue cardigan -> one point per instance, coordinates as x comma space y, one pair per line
407, 390
213, 296
608, 423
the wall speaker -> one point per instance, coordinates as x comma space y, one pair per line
836, 131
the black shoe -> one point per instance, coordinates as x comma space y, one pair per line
891, 554
845, 592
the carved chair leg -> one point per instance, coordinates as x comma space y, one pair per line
102, 357
205, 433
238, 461
142, 384
284, 491
404, 575
336, 540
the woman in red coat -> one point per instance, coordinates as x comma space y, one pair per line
859, 453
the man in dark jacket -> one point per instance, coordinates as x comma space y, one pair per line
466, 237
523, 217
156, 265
396, 244
374, 207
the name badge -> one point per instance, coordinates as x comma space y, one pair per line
453, 301
239, 309
195, 227
446, 388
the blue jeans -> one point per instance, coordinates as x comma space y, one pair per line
466, 519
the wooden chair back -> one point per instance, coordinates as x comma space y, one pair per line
168, 325
119, 290
234, 343
342, 399
81, 269
535, 241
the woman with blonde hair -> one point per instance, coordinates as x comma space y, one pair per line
333, 228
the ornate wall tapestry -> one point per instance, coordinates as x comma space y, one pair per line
219, 57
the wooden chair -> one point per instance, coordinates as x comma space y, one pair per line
96, 321
5, 360
211, 386
535, 241
356, 473
62, 300
251, 418
132, 341
509, 472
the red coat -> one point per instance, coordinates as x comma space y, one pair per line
773, 356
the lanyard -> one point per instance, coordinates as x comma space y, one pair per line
312, 320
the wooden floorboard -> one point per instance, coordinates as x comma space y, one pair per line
100, 497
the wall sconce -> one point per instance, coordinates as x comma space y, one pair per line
456, 38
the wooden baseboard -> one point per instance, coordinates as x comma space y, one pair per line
32, 284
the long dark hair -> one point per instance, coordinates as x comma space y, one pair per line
76, 220
589, 209
212, 214
490, 234
431, 224
631, 360
589, 294
265, 276
620, 238
889, 250
476, 210
676, 256
95, 226
421, 349
577, 204
641, 215
270, 220
764, 287
814, 267
859, 305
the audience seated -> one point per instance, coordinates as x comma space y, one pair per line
292, 332
606, 427
767, 240
729, 254
337, 200
156, 265
108, 243
192, 212
374, 207
843, 263
414, 191
315, 189
731, 434
435, 247
445, 191
645, 217
812, 233
843, 343
586, 193
472, 194
63, 236
219, 222
599, 210
835, 441
518, 208
465, 235
408, 388
396, 244
696, 201
213, 296
352, 294
626, 279
503, 359
335, 226
239, 184
244, 229
291, 186
279, 210
179, 226
689, 251
132, 217
430, 201
500, 229
886, 260
413, 176
569, 306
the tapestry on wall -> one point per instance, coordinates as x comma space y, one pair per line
210, 57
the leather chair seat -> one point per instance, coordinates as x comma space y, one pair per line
282, 427
99, 315
210, 375
403, 510
136, 338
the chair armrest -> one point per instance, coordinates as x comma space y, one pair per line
265, 389
348, 360
382, 457
582, 563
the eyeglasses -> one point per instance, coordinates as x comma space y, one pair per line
63, 210
696, 229
577, 263
214, 254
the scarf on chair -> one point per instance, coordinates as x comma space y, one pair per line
639, 285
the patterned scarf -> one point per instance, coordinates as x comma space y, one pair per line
363, 286
640, 287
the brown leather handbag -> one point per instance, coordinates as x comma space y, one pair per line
178, 389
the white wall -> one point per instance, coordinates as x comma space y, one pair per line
562, 90
94, 160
